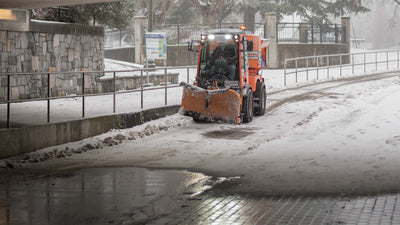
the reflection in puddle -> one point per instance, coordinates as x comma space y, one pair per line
94, 196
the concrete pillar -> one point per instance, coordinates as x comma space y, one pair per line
140, 23
270, 33
346, 30
304, 27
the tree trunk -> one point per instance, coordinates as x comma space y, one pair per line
210, 11
249, 17
207, 19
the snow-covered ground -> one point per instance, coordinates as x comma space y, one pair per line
340, 136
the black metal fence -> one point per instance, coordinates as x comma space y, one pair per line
119, 38
177, 34
309, 33
182, 33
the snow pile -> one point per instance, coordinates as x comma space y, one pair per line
115, 65
112, 138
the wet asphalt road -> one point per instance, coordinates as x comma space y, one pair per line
130, 195
95, 196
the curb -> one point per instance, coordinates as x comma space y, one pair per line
18, 141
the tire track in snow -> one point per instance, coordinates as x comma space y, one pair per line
320, 91
311, 91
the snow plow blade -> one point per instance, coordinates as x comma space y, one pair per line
211, 105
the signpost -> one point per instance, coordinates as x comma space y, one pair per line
156, 48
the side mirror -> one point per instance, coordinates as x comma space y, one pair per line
193, 46
244, 43
249, 45
244, 46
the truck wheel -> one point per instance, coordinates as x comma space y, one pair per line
248, 107
261, 95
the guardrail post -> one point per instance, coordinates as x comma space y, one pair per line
83, 95
141, 89
340, 59
296, 71
352, 63
317, 68
307, 69
166, 85
115, 90
48, 97
376, 61
365, 63
387, 60
8, 100
327, 68
284, 71
187, 75
398, 64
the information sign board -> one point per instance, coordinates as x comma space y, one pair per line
156, 45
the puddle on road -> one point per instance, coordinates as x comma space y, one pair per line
96, 196
231, 133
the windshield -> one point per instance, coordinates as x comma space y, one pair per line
219, 58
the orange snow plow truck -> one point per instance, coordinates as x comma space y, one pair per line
229, 85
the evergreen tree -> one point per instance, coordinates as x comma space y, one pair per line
342, 7
317, 11
113, 14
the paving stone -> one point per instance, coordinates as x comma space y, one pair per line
211, 209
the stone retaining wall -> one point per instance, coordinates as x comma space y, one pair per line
52, 47
134, 82
287, 51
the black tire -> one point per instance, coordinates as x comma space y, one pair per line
261, 96
248, 107
198, 120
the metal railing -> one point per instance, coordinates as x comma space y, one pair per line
83, 94
308, 33
328, 66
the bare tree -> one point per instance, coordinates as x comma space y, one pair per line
161, 10
210, 10
394, 20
